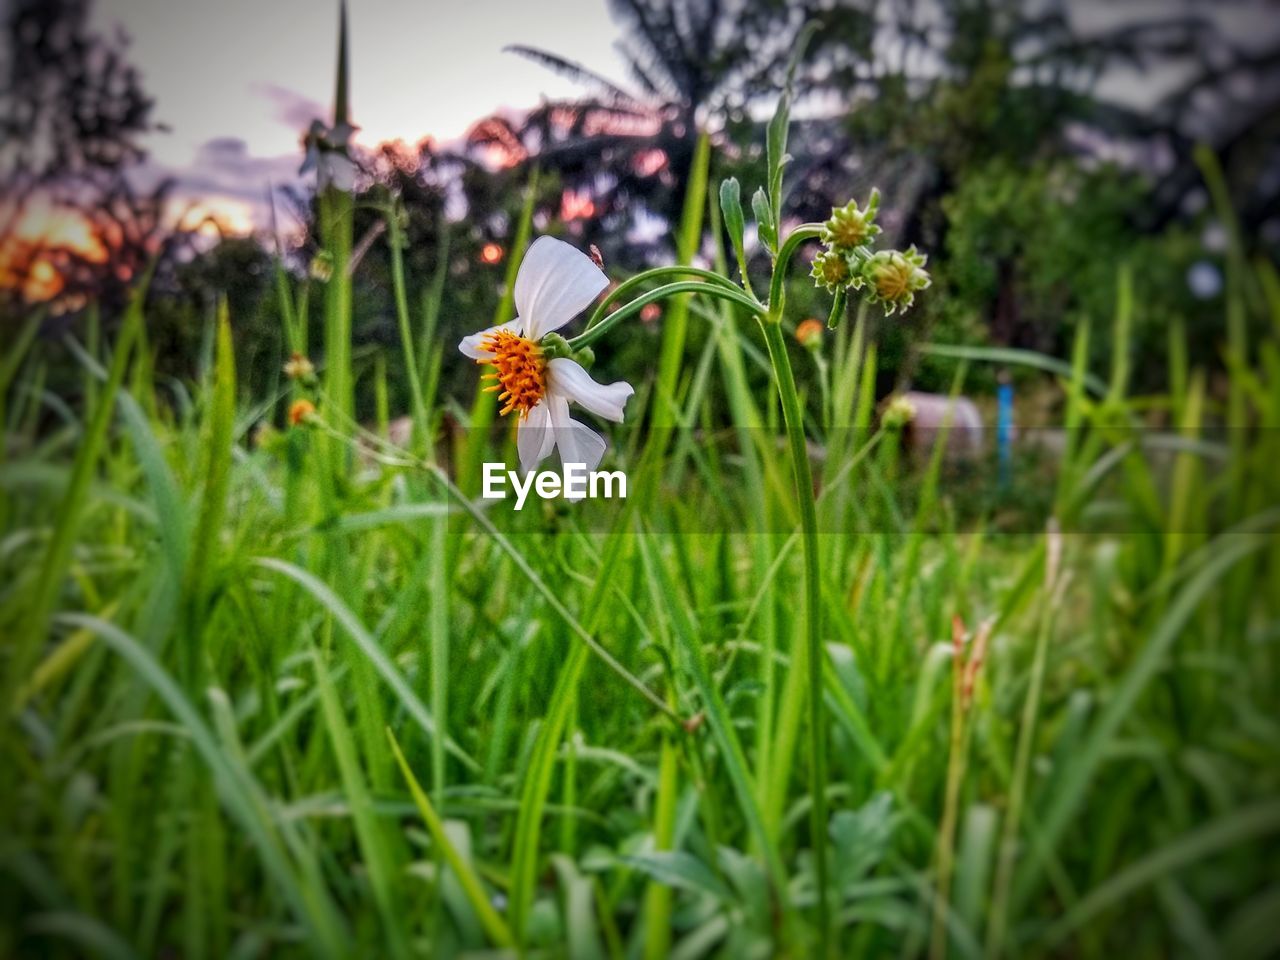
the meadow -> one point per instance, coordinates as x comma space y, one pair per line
294, 690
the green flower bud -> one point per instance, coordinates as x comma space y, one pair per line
553, 345
851, 227
831, 270
322, 266
585, 358
893, 277
898, 413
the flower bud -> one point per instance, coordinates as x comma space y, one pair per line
831, 270
809, 333
898, 413
300, 411
553, 345
322, 266
851, 227
299, 367
893, 277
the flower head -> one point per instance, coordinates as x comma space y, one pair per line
898, 413
894, 276
328, 154
851, 227
809, 333
321, 267
831, 270
299, 367
533, 380
300, 411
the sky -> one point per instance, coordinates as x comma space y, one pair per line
237, 82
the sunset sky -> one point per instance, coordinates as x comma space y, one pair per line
237, 82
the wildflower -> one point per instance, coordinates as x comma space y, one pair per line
299, 367
898, 413
555, 282
327, 153
893, 277
851, 227
831, 270
300, 411
809, 333
321, 267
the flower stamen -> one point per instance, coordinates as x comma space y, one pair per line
519, 370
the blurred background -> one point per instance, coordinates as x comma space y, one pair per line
1031, 147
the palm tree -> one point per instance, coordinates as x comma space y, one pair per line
622, 154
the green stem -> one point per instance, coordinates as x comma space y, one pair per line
622, 289
731, 293
777, 297
794, 419
395, 241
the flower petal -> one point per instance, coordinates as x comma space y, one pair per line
555, 283
577, 442
566, 377
471, 344
337, 170
534, 437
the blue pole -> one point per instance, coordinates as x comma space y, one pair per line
1004, 428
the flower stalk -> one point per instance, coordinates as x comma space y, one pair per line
793, 418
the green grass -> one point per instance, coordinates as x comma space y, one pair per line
200, 637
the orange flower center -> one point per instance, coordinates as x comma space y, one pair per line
892, 280
518, 369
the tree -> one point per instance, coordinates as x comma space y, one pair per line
624, 154
72, 115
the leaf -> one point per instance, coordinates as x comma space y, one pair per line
1074, 784
533, 795
581, 929
217, 445
494, 925
749, 882
861, 837
779, 125
369, 647
731, 208
242, 796
764, 220
719, 719
1229, 830
681, 870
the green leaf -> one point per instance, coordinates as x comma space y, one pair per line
1229, 830
370, 648
764, 220
681, 870
493, 924
861, 837
731, 208
240, 793
580, 926
57, 557
217, 445
776, 144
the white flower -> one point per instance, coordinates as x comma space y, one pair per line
328, 154
555, 283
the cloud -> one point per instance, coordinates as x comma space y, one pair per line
225, 175
293, 109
